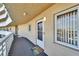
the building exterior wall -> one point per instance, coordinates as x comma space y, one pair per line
11, 28
50, 47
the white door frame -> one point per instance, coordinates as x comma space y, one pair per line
39, 42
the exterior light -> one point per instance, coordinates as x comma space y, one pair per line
44, 19
24, 14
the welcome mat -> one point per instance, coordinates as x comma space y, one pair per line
37, 50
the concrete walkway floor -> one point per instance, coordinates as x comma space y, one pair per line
22, 47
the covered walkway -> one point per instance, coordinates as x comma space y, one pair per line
22, 47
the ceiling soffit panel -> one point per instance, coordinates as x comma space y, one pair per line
23, 12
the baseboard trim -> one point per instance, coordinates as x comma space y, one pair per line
29, 40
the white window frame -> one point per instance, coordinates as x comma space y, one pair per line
60, 13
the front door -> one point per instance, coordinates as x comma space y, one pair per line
40, 33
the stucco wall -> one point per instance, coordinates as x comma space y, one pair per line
23, 31
51, 48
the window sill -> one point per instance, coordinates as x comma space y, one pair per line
76, 48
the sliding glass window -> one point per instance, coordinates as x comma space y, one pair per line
66, 28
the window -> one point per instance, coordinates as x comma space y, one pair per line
40, 36
66, 28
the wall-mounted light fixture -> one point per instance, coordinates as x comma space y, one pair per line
44, 19
25, 13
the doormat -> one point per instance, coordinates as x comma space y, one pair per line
37, 50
